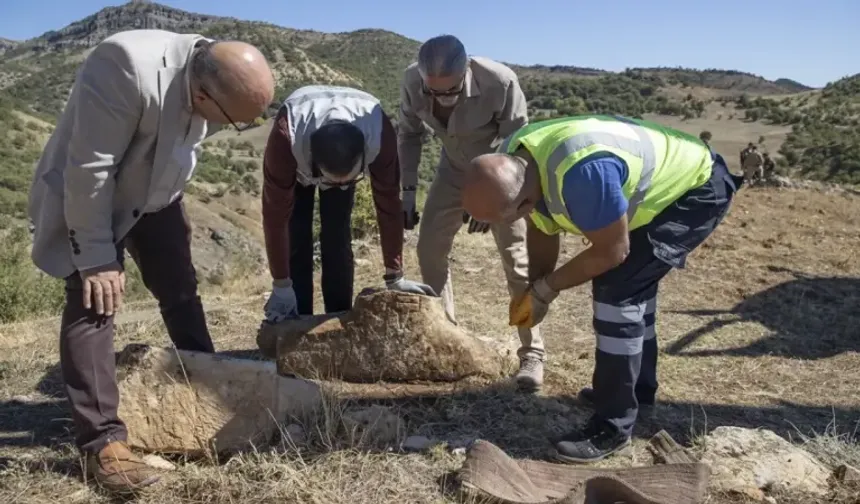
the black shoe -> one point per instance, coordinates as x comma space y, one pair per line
596, 441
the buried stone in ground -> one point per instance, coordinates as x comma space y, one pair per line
388, 336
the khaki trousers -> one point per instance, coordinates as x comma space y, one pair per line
753, 172
441, 219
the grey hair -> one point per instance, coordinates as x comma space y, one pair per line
207, 71
442, 56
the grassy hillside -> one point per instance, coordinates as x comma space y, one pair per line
824, 142
21, 140
35, 75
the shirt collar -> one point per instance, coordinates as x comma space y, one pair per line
471, 87
186, 89
186, 76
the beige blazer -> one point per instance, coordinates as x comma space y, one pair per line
124, 146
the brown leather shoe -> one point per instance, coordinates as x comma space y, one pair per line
119, 470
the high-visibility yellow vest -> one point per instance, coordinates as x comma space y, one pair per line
663, 163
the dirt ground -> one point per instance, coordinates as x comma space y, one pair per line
760, 330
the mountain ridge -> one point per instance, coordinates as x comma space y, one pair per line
138, 14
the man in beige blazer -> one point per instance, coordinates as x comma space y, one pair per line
111, 178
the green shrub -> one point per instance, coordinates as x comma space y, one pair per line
364, 212
27, 293
24, 291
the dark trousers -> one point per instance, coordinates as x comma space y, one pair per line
625, 298
160, 244
335, 248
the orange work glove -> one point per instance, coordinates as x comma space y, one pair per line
529, 308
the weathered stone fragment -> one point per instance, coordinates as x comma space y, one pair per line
175, 401
749, 461
387, 336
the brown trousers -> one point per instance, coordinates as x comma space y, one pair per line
160, 245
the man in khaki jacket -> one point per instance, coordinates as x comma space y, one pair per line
111, 178
471, 103
752, 165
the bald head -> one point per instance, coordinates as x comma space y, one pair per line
497, 188
237, 76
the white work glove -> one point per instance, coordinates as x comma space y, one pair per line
395, 281
282, 302
410, 214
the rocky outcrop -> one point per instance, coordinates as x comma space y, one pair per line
388, 336
174, 401
6, 44
753, 462
134, 15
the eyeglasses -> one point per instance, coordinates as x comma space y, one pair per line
317, 174
224, 112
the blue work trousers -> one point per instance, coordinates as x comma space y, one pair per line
625, 297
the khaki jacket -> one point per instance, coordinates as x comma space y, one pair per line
491, 107
753, 159
124, 146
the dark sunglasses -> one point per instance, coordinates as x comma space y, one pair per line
454, 91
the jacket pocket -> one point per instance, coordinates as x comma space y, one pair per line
669, 242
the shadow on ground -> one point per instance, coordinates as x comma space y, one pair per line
36, 423
527, 425
520, 424
810, 317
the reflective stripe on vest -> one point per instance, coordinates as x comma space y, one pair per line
643, 149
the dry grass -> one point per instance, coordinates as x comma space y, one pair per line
730, 136
760, 330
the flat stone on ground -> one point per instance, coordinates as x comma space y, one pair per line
175, 401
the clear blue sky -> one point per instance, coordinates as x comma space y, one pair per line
810, 41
